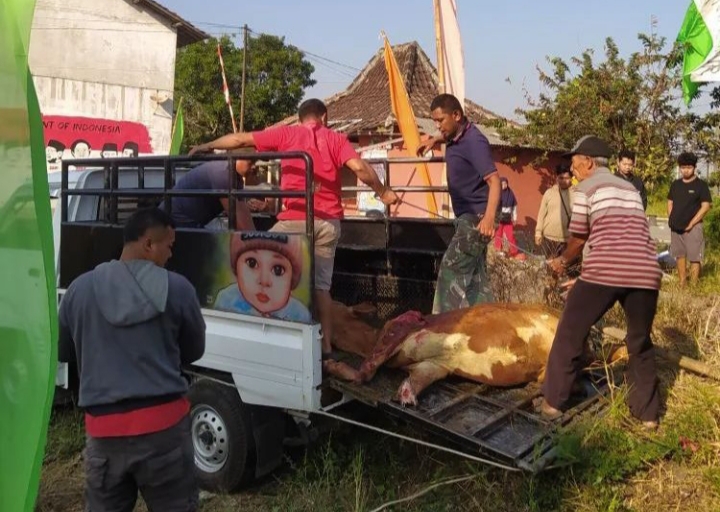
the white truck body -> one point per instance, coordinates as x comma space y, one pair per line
272, 362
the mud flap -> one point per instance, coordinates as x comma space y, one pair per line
268, 426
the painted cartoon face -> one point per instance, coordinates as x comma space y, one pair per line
264, 278
52, 154
81, 150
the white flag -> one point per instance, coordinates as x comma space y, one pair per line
452, 52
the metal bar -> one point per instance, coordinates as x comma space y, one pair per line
433, 413
114, 179
388, 265
161, 159
417, 441
406, 160
129, 192
232, 184
399, 189
167, 186
107, 186
310, 219
501, 415
64, 185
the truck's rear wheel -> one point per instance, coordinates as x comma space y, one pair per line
222, 437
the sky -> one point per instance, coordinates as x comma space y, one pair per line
503, 42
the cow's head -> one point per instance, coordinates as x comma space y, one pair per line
389, 340
352, 328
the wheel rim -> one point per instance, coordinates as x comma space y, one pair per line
209, 435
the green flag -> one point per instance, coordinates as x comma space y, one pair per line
178, 131
700, 36
28, 304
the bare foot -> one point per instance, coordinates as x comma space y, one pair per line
548, 411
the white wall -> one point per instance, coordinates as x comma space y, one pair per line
106, 59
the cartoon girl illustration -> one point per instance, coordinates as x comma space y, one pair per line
268, 267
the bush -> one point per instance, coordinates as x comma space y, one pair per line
711, 224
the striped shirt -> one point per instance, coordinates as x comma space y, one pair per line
620, 252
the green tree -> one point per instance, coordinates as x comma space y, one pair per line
277, 75
631, 102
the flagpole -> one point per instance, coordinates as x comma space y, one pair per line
226, 91
439, 49
174, 127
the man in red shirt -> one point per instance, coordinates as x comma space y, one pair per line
330, 151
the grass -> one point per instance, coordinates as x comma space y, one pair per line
657, 207
615, 466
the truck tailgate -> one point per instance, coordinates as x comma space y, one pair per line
498, 423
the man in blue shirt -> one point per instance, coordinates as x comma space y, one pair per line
474, 187
198, 211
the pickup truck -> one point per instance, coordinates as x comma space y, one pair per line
260, 380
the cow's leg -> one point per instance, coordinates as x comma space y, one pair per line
421, 376
342, 371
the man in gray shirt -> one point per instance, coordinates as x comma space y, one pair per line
131, 325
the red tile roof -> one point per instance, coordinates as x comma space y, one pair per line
365, 105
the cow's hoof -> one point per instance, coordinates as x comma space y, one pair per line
406, 395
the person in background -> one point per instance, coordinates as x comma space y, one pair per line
330, 151
506, 221
474, 187
197, 212
553, 220
621, 266
689, 200
130, 325
626, 166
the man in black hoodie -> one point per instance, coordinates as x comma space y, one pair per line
131, 325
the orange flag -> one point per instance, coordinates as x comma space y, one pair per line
405, 116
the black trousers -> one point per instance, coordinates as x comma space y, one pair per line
159, 465
586, 304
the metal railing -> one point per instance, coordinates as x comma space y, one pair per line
111, 190
387, 165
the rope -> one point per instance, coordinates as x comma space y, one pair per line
423, 492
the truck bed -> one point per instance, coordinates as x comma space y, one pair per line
496, 423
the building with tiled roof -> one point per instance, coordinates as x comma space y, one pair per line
363, 109
363, 112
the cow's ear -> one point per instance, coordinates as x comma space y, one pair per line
364, 309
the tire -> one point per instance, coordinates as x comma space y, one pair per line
222, 437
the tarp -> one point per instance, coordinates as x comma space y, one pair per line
28, 306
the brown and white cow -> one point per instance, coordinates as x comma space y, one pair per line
494, 344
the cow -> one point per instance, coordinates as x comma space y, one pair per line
499, 344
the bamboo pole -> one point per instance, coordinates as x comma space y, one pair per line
684, 362
439, 49
242, 82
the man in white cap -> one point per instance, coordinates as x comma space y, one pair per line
620, 266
